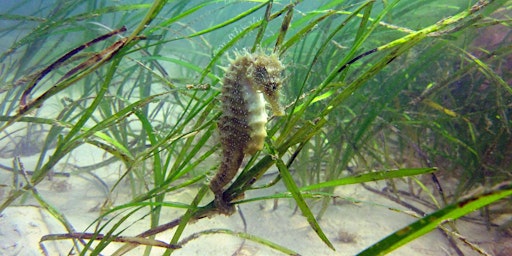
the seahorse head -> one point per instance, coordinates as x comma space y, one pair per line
266, 73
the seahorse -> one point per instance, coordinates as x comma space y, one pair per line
250, 79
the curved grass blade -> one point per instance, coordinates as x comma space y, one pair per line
263, 26
367, 177
49, 24
489, 73
187, 217
301, 203
432, 221
150, 15
284, 27
183, 14
230, 21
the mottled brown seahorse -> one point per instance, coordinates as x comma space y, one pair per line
249, 80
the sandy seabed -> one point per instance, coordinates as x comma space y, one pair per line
351, 226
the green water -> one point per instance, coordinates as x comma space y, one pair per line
109, 114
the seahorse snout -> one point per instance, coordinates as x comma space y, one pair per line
273, 100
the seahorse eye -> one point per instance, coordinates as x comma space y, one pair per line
261, 73
271, 87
